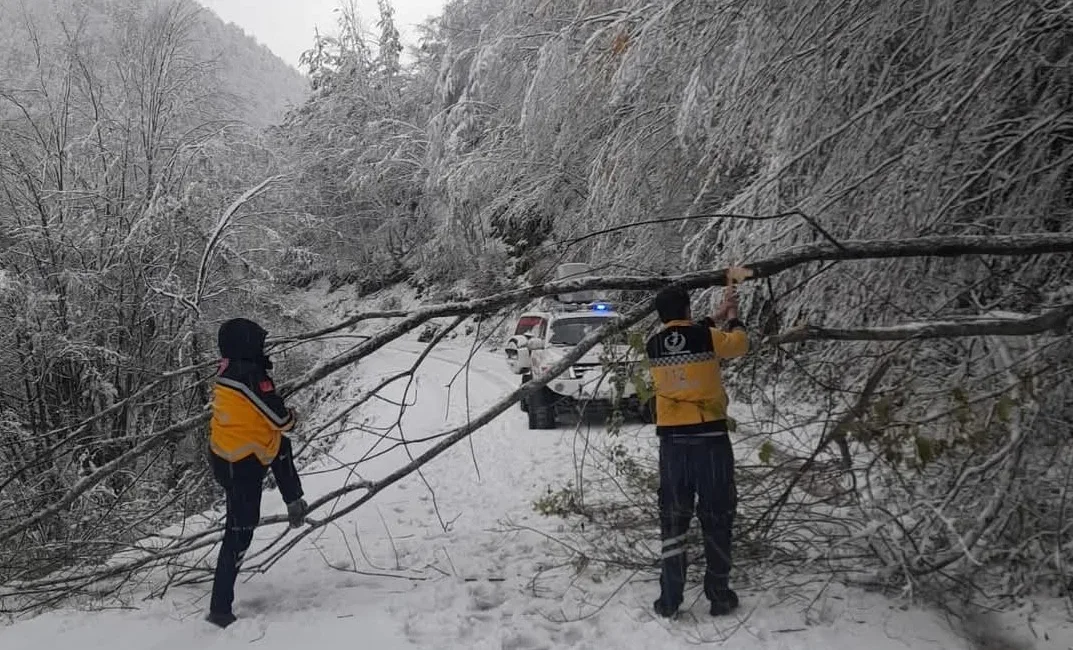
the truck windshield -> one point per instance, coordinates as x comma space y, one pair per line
571, 331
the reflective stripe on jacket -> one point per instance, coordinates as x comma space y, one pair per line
248, 416
684, 357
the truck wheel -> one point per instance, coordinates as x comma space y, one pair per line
524, 404
541, 410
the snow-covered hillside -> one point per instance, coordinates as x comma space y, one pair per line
457, 558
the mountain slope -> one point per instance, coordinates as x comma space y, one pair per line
264, 84
251, 83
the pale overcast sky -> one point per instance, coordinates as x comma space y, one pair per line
286, 26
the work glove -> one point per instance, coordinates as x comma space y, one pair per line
296, 512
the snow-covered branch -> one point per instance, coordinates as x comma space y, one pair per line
217, 233
451, 437
1011, 245
1054, 320
847, 250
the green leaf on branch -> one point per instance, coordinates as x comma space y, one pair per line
1003, 408
767, 450
926, 450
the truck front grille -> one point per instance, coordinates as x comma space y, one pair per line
586, 370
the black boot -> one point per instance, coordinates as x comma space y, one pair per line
724, 601
221, 619
665, 609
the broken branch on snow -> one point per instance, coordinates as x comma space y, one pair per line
848, 250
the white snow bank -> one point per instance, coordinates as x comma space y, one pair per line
431, 563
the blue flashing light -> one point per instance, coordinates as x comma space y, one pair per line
601, 306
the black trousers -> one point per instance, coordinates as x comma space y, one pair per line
243, 483
696, 472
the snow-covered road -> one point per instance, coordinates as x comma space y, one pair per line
434, 566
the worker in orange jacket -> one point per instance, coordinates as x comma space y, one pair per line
246, 439
696, 460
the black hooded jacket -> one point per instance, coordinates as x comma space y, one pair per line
249, 414
242, 339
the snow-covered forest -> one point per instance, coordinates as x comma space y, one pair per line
898, 177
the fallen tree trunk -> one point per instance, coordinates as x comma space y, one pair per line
455, 435
849, 250
1035, 244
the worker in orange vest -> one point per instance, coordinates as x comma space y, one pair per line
696, 459
246, 439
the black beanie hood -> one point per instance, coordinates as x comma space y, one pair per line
240, 338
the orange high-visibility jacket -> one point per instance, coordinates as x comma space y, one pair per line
684, 358
248, 415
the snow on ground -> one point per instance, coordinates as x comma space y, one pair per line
435, 565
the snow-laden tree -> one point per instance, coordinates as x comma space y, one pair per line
912, 407
390, 46
832, 121
357, 151
116, 161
